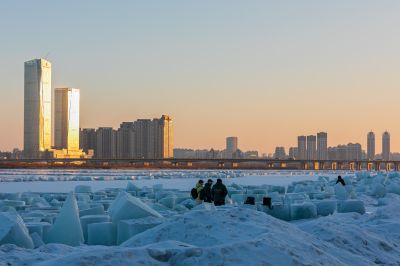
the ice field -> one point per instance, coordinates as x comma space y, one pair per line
115, 217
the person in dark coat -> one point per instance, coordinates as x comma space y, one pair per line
207, 196
340, 180
219, 193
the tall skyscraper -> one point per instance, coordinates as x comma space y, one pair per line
371, 146
37, 107
311, 147
66, 120
302, 147
386, 146
231, 146
322, 146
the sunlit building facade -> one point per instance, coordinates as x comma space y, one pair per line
37, 107
66, 120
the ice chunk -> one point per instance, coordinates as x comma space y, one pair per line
280, 211
168, 201
378, 190
304, 210
127, 207
83, 189
351, 206
98, 210
14, 231
41, 228
340, 192
102, 234
325, 207
67, 227
132, 187
129, 228
90, 219
37, 240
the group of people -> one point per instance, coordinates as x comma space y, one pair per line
210, 193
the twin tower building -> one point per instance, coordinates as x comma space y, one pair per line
142, 141
38, 115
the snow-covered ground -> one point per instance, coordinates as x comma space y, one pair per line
147, 218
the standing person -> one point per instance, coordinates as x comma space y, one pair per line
207, 191
340, 180
219, 193
199, 189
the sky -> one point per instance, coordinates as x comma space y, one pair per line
264, 71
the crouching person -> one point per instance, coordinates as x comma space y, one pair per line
219, 193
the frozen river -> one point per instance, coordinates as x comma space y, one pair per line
24, 180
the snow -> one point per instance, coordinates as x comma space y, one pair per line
312, 221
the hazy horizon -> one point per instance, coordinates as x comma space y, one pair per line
263, 71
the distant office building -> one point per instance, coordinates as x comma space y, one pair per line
371, 146
280, 153
231, 146
87, 139
37, 108
302, 147
106, 143
322, 146
126, 141
311, 147
66, 120
293, 152
386, 146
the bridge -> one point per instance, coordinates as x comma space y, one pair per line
186, 163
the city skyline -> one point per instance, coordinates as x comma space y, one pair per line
233, 72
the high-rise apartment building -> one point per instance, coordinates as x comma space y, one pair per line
302, 147
322, 146
126, 141
386, 146
87, 139
106, 143
280, 153
293, 152
311, 147
37, 107
231, 146
66, 120
371, 146
164, 147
